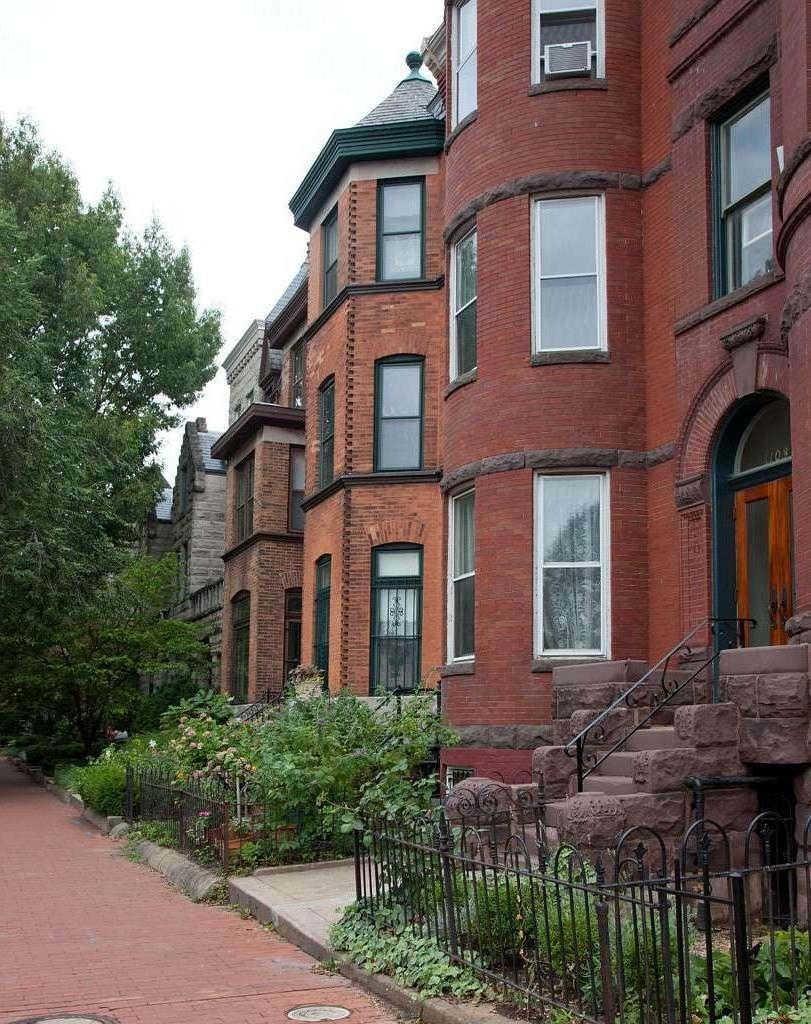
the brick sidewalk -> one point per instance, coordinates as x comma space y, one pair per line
83, 930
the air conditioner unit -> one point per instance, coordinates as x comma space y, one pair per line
567, 59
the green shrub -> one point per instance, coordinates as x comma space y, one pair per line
102, 785
148, 714
198, 704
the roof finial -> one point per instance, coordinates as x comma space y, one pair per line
414, 62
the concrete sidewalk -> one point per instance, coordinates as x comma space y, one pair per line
302, 902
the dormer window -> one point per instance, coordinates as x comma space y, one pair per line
567, 39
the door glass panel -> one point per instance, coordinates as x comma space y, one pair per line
757, 559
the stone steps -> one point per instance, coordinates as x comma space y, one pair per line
610, 785
654, 737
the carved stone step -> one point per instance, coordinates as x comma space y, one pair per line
658, 737
610, 785
621, 763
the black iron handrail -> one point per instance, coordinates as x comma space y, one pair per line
267, 699
595, 732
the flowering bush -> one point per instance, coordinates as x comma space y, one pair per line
203, 748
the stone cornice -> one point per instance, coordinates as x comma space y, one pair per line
379, 479
558, 458
547, 181
262, 535
753, 66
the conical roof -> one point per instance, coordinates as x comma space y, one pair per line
408, 102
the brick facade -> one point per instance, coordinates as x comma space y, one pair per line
648, 411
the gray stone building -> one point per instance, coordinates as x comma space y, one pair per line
241, 367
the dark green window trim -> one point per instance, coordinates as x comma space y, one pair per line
381, 188
329, 237
292, 631
243, 509
240, 645
326, 432
401, 360
395, 656
323, 572
721, 277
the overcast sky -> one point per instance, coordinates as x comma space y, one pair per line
206, 113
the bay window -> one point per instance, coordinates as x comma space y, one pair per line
463, 298
571, 565
398, 413
329, 241
326, 432
400, 229
240, 646
465, 59
570, 297
462, 577
243, 510
743, 196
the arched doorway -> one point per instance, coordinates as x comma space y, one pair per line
753, 558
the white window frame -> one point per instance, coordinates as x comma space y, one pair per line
602, 297
604, 565
457, 66
462, 659
453, 372
536, 39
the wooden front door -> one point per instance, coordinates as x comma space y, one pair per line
765, 589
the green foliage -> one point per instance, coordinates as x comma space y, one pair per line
89, 674
148, 715
100, 343
102, 784
200, 702
384, 944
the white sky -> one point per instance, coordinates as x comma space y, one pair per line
206, 113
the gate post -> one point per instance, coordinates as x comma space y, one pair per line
447, 883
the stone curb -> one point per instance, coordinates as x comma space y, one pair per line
284, 869
431, 1011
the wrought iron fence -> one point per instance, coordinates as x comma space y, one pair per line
233, 824
654, 931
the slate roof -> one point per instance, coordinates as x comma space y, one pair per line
289, 292
163, 506
206, 440
408, 102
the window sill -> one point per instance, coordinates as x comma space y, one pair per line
575, 355
568, 85
727, 301
466, 121
461, 381
458, 668
547, 664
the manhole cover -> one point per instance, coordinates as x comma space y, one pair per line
318, 1013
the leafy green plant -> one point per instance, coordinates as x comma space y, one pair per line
197, 704
102, 785
385, 947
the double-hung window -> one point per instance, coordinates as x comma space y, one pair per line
297, 376
243, 510
323, 570
400, 229
571, 565
329, 241
464, 294
464, 60
326, 432
567, 39
396, 618
240, 646
398, 413
744, 196
292, 630
295, 515
570, 297
462, 577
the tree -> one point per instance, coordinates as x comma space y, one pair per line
100, 343
89, 672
